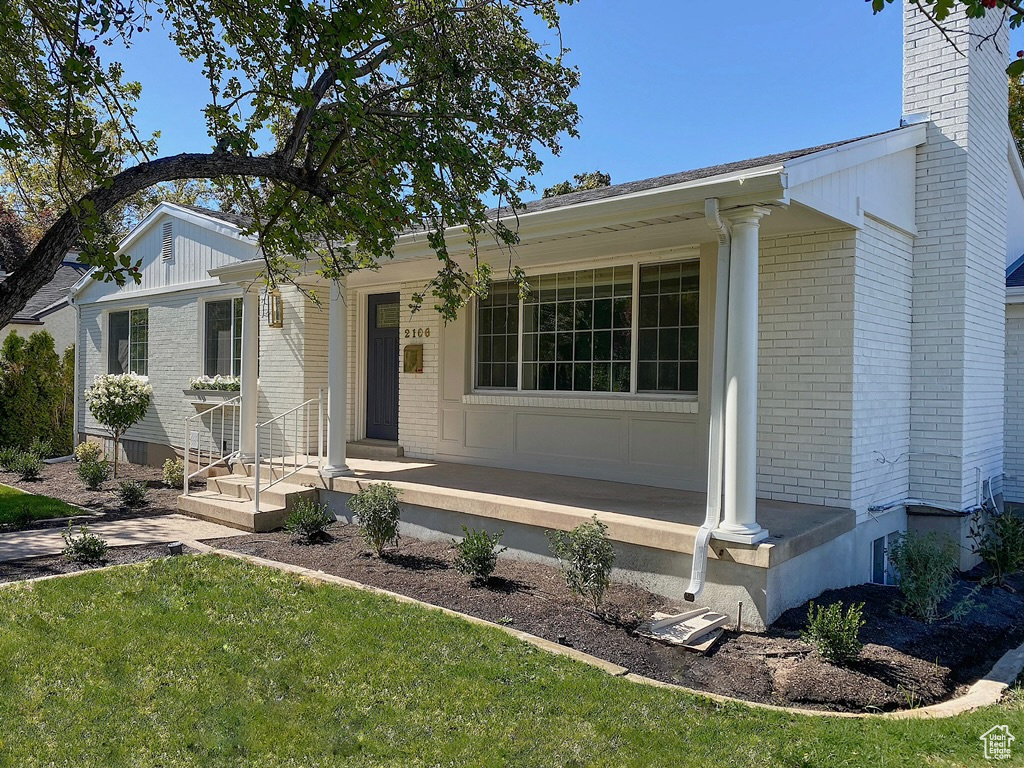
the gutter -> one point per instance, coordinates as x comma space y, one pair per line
716, 452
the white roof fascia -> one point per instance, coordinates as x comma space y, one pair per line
162, 290
1015, 294
208, 222
762, 184
809, 167
1016, 165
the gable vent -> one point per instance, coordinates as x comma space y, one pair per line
167, 249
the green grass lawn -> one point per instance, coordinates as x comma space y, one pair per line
198, 661
20, 507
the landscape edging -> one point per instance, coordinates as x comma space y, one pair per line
985, 692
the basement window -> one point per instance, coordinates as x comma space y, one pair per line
882, 571
580, 331
128, 342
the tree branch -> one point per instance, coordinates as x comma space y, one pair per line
46, 256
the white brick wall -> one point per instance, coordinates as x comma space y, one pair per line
805, 377
883, 285
417, 392
1014, 460
958, 321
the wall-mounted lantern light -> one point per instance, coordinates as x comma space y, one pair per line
276, 310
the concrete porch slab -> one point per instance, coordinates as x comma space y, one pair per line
660, 518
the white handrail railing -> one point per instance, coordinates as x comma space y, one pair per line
221, 410
301, 420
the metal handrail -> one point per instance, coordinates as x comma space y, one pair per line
272, 460
221, 410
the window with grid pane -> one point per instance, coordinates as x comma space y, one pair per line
577, 329
497, 337
223, 342
667, 327
128, 342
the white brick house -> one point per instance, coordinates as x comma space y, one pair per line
851, 387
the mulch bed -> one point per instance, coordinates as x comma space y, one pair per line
905, 663
51, 565
61, 481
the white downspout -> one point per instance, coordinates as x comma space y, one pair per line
716, 452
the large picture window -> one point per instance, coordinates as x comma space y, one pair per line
128, 342
497, 330
223, 338
579, 333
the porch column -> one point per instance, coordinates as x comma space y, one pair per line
337, 384
740, 478
250, 391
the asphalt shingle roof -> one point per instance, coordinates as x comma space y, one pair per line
1016, 278
54, 292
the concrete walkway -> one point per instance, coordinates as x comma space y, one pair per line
118, 533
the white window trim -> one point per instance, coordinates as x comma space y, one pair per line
201, 325
106, 333
595, 400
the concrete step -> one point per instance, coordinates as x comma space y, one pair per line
233, 512
244, 487
374, 449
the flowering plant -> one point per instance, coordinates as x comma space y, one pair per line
118, 401
218, 383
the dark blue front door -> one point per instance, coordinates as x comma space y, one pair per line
382, 366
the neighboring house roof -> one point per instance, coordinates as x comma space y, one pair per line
51, 296
1015, 274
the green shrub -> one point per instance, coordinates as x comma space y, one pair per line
586, 557
94, 473
378, 511
174, 473
925, 566
308, 521
132, 493
7, 456
27, 465
41, 448
999, 542
834, 634
85, 547
85, 452
477, 553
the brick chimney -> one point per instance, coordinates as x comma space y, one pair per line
959, 254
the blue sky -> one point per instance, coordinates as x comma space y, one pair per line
667, 85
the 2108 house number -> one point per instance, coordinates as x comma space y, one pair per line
417, 333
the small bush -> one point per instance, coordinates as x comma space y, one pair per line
834, 634
41, 448
132, 493
477, 553
1000, 544
94, 473
586, 557
7, 456
925, 566
174, 473
85, 547
86, 452
308, 521
378, 511
27, 465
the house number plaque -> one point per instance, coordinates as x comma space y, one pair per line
417, 333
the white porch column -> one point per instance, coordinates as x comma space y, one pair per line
250, 390
337, 384
740, 479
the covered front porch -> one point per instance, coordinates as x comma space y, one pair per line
654, 529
